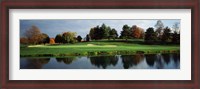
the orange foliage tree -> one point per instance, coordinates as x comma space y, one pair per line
52, 41
23, 40
137, 32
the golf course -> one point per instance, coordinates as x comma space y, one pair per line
99, 44
96, 48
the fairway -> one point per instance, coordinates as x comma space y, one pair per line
96, 48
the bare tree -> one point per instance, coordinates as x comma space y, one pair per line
33, 34
176, 27
159, 27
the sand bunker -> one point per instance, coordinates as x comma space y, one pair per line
91, 45
101, 45
35, 45
110, 45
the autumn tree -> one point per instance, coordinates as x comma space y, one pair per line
58, 38
142, 35
23, 40
33, 34
52, 41
137, 32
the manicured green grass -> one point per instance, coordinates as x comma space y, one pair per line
103, 47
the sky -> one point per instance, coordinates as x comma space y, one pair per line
82, 27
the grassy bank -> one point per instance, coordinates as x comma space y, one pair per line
96, 48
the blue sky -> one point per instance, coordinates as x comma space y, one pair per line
82, 27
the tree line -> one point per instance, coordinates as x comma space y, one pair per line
157, 35
162, 35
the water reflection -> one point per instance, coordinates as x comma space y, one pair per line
176, 58
66, 60
104, 61
138, 61
166, 58
34, 63
151, 58
130, 60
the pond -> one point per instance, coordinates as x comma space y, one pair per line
137, 61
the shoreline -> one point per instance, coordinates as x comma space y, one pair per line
103, 53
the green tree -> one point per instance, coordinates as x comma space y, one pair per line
150, 36
108, 29
88, 38
113, 34
126, 32
104, 31
176, 38
92, 33
167, 35
58, 38
69, 37
79, 38
176, 34
96, 33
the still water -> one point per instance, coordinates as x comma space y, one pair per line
138, 61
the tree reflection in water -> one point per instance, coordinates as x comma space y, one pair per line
66, 60
166, 58
104, 61
176, 58
130, 60
139, 61
35, 63
157, 60
150, 59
